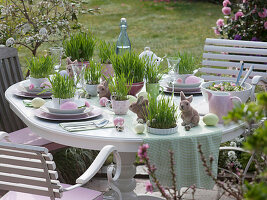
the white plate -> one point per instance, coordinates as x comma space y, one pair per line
183, 85
24, 87
50, 106
87, 110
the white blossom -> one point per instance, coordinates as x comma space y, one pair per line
29, 40
233, 144
10, 42
231, 155
26, 28
43, 31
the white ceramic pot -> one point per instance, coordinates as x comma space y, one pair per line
38, 81
158, 131
243, 95
91, 89
118, 107
57, 101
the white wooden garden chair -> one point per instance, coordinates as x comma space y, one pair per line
10, 73
28, 173
221, 61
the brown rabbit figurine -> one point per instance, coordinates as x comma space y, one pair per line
140, 108
189, 115
69, 67
103, 90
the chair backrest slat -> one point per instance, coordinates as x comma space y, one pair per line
29, 169
10, 73
222, 59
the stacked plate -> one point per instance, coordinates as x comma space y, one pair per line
49, 112
170, 86
24, 90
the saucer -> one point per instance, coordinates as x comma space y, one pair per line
50, 106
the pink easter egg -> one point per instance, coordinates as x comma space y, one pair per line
179, 80
69, 106
118, 121
192, 80
102, 101
31, 86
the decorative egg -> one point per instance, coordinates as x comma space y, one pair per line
64, 73
118, 121
139, 128
102, 101
192, 80
179, 80
38, 102
144, 94
210, 119
132, 99
70, 105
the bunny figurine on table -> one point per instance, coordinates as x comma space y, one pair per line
103, 90
69, 67
189, 115
140, 108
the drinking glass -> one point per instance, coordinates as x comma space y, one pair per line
173, 65
56, 54
78, 72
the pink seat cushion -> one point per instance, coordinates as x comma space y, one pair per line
76, 194
26, 136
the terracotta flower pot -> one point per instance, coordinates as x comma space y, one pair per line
136, 87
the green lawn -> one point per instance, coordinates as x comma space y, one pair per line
165, 27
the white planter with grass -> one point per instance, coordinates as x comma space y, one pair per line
58, 101
91, 89
37, 81
159, 131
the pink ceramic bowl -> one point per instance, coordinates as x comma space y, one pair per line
136, 87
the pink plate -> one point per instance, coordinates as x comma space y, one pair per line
31, 95
43, 115
185, 90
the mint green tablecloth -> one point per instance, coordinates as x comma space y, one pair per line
188, 165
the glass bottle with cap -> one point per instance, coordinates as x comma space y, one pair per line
123, 43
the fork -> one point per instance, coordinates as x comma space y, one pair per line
98, 124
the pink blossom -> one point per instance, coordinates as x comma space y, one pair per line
226, 10
87, 104
220, 22
216, 85
31, 86
233, 84
244, 1
46, 85
149, 187
263, 14
238, 14
222, 88
142, 151
216, 31
226, 3
265, 25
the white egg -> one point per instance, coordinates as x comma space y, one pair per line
38, 102
139, 128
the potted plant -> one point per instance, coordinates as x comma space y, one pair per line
119, 100
131, 65
80, 47
153, 74
187, 64
162, 116
92, 77
63, 89
40, 69
105, 52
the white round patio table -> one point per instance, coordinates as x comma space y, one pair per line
127, 142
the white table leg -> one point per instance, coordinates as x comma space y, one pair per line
126, 183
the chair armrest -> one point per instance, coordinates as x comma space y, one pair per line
3, 135
98, 163
234, 149
255, 81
